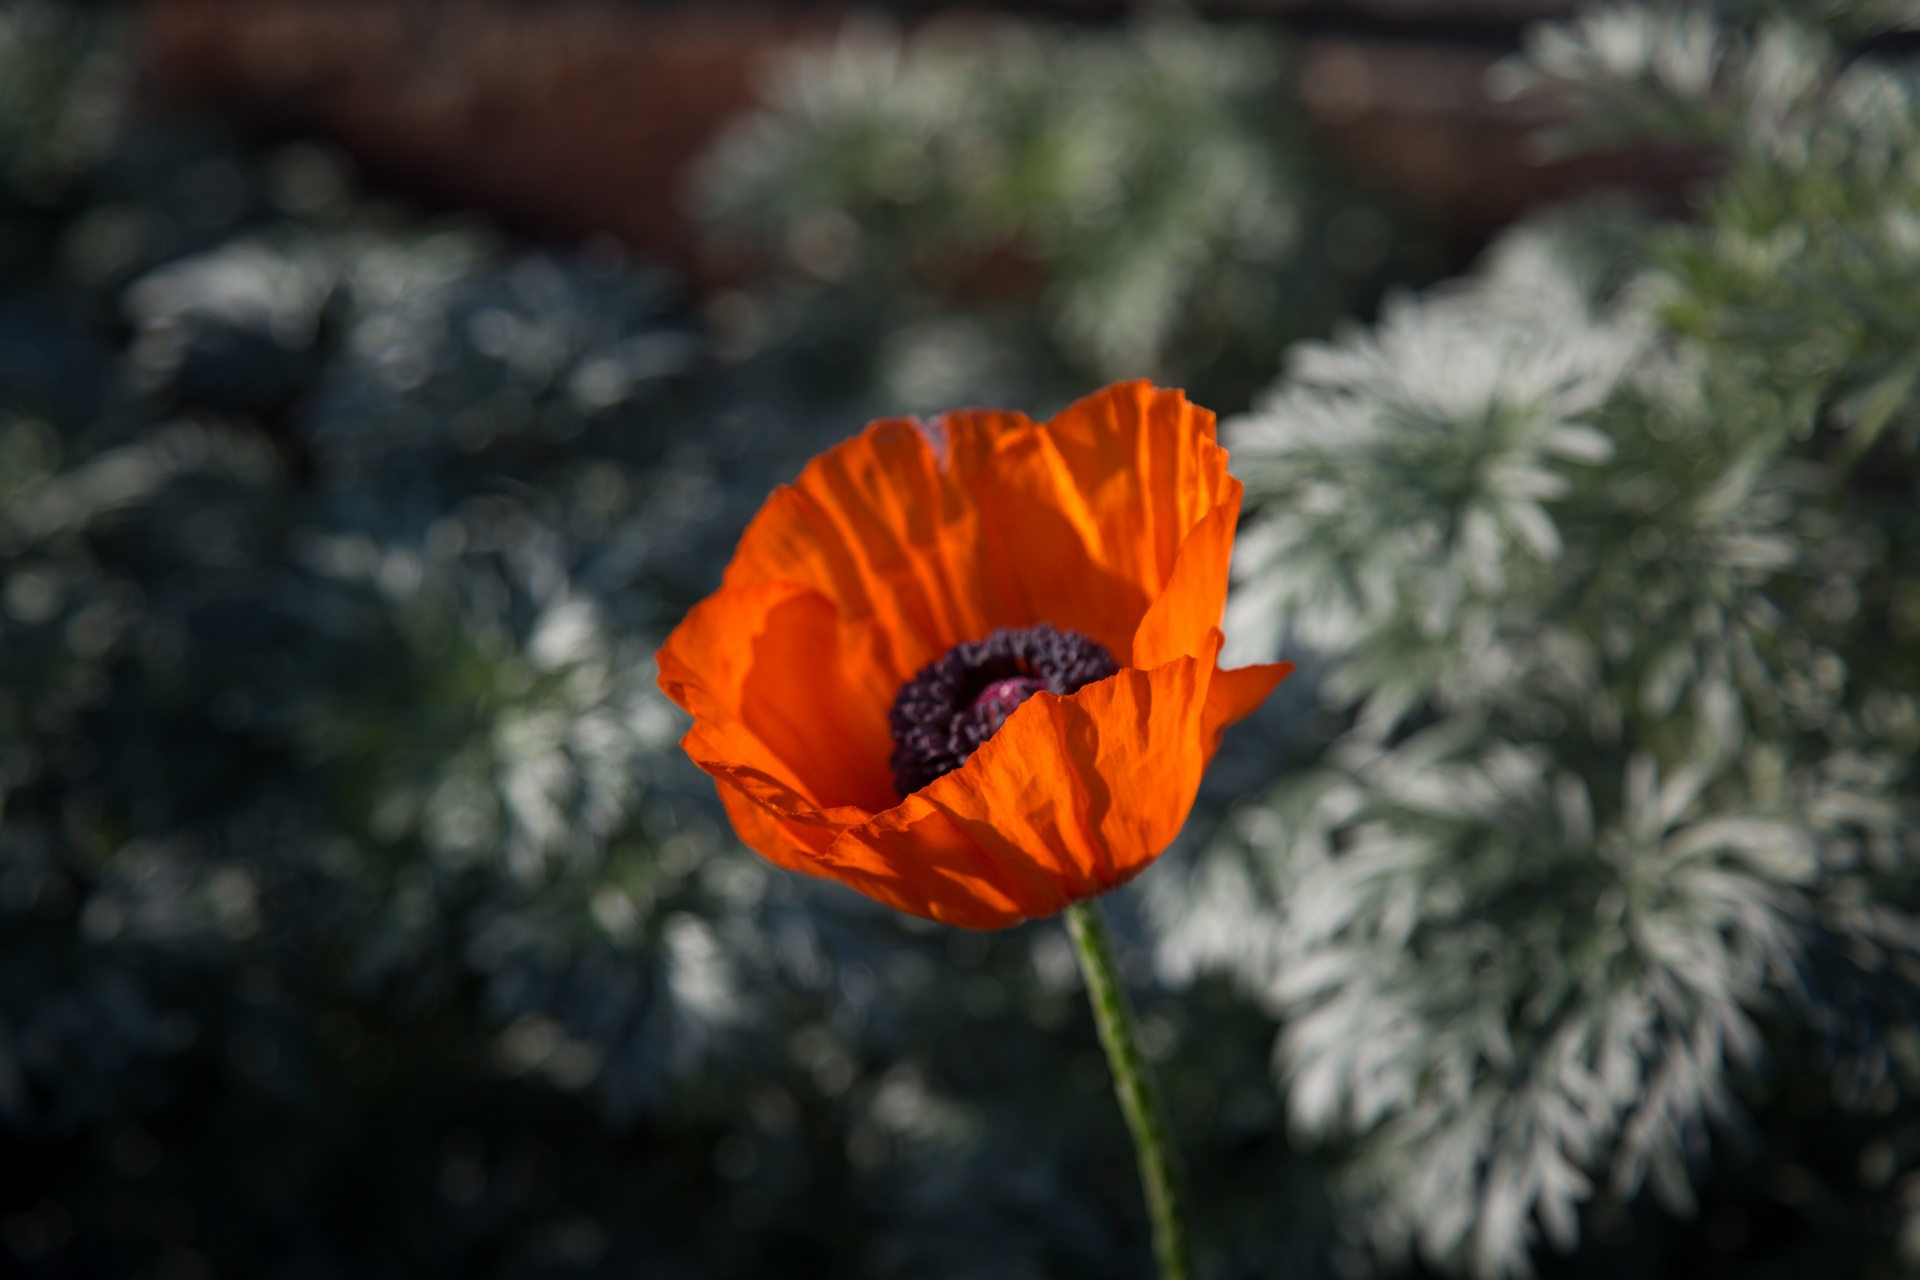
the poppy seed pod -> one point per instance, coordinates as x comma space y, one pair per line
1015, 622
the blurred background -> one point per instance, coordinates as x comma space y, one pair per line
380, 381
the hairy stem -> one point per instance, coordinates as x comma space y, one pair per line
1133, 1082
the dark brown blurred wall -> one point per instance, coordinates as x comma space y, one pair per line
1415, 118
575, 116
565, 118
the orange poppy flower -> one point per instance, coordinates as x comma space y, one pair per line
970, 668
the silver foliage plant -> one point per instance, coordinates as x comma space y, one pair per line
494, 746
1623, 755
1146, 179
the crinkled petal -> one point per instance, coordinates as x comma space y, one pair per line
779, 825
1149, 468
1072, 797
1001, 522
916, 859
880, 528
1083, 519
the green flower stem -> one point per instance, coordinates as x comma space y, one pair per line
1133, 1082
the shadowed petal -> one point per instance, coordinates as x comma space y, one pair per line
1188, 611
780, 684
777, 824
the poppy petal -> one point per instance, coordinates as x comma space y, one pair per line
1115, 519
1083, 519
877, 526
780, 683
1078, 522
1237, 693
778, 824
1151, 469
916, 859
1040, 538
1073, 796
1188, 611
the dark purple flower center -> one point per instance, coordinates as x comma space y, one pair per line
956, 703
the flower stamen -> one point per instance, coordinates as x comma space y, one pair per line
954, 704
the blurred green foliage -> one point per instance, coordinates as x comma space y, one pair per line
359, 914
1605, 558
1019, 207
